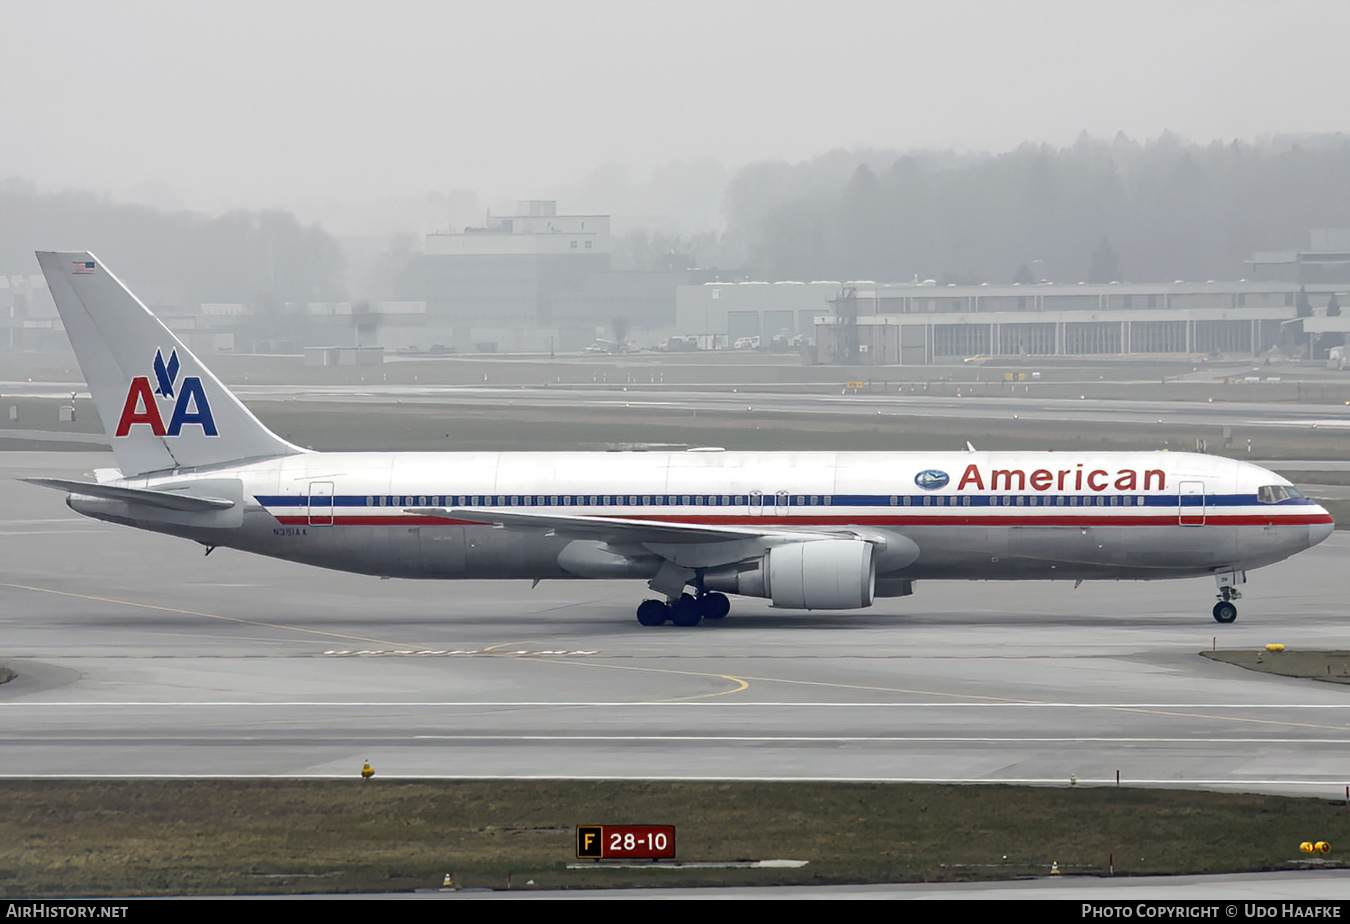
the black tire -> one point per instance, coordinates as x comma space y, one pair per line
652, 613
685, 611
714, 605
1224, 612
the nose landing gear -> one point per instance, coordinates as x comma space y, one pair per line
1224, 611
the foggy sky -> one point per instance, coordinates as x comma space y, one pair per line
253, 104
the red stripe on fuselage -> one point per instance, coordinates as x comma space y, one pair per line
881, 521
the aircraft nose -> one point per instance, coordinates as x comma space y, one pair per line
1320, 531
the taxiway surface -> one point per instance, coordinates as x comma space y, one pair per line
137, 656
976, 401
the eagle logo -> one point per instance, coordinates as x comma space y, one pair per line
931, 479
165, 375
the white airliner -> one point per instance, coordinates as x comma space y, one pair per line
807, 530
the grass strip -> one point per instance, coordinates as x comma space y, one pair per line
126, 838
1328, 666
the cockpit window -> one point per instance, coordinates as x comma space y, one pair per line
1274, 493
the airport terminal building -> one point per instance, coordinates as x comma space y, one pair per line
537, 280
921, 323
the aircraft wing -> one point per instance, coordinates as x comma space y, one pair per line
619, 547
616, 529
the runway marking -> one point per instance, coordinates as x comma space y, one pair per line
455, 652
844, 739
738, 684
169, 609
871, 688
325, 738
651, 704
1245, 785
1301, 422
1005, 701
49, 519
1168, 713
43, 532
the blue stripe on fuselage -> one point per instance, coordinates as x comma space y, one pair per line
770, 501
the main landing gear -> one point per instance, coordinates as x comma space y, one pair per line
1224, 611
684, 610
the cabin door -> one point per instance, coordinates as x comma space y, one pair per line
756, 503
1191, 503
321, 503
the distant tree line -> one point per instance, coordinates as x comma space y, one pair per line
263, 259
1096, 211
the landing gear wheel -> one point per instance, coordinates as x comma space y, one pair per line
1224, 612
652, 613
685, 611
714, 605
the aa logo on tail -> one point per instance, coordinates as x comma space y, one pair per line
189, 407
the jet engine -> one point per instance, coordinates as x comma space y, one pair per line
822, 574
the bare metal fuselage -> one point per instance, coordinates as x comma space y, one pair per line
806, 530
998, 516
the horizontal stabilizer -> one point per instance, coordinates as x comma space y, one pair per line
165, 499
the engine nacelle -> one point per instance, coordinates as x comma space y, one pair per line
823, 574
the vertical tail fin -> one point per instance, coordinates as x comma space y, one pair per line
160, 405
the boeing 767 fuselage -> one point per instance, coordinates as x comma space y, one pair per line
807, 530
